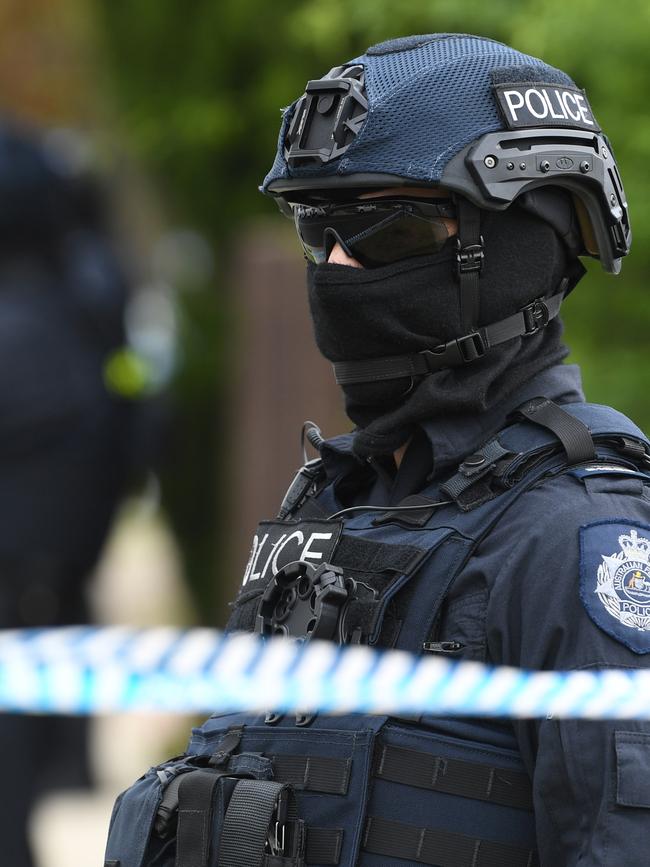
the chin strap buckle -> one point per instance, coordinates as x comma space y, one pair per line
469, 258
462, 350
536, 316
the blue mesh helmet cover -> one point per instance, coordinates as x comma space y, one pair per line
429, 96
436, 97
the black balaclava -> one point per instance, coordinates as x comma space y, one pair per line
413, 305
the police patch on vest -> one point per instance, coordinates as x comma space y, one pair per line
531, 105
278, 543
615, 580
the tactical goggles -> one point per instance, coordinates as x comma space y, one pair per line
375, 232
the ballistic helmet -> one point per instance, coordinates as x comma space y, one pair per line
464, 112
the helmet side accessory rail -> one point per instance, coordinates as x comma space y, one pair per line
501, 166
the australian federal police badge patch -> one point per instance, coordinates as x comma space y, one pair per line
615, 580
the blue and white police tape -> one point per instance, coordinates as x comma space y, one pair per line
87, 670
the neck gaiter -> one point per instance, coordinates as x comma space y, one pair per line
413, 305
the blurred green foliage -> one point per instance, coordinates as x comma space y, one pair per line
198, 88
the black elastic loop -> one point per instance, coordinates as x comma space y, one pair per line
575, 436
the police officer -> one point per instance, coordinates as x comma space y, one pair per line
444, 188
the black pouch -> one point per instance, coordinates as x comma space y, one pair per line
196, 812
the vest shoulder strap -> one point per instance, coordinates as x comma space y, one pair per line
547, 437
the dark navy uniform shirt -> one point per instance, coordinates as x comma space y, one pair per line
535, 596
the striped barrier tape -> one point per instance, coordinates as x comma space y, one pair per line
88, 670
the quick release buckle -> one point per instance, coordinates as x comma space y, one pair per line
463, 350
536, 316
469, 258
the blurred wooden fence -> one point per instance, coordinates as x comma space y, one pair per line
281, 380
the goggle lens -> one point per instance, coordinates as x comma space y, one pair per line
375, 234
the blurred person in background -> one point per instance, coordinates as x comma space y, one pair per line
66, 437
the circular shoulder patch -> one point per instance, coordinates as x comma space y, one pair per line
615, 580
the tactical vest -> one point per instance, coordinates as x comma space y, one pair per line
359, 789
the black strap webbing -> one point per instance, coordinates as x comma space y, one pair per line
441, 848
469, 256
454, 777
324, 845
195, 802
323, 848
313, 773
575, 436
455, 353
247, 822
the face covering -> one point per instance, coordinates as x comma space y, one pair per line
413, 305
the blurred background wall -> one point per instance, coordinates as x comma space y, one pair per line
179, 106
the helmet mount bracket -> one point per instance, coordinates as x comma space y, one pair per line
327, 118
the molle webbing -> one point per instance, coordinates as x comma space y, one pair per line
440, 848
330, 776
323, 847
453, 777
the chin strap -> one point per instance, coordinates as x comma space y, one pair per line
470, 253
463, 350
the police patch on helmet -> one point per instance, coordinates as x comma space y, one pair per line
615, 580
552, 105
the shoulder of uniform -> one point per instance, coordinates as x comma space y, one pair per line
550, 517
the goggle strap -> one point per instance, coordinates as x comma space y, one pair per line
463, 350
469, 260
